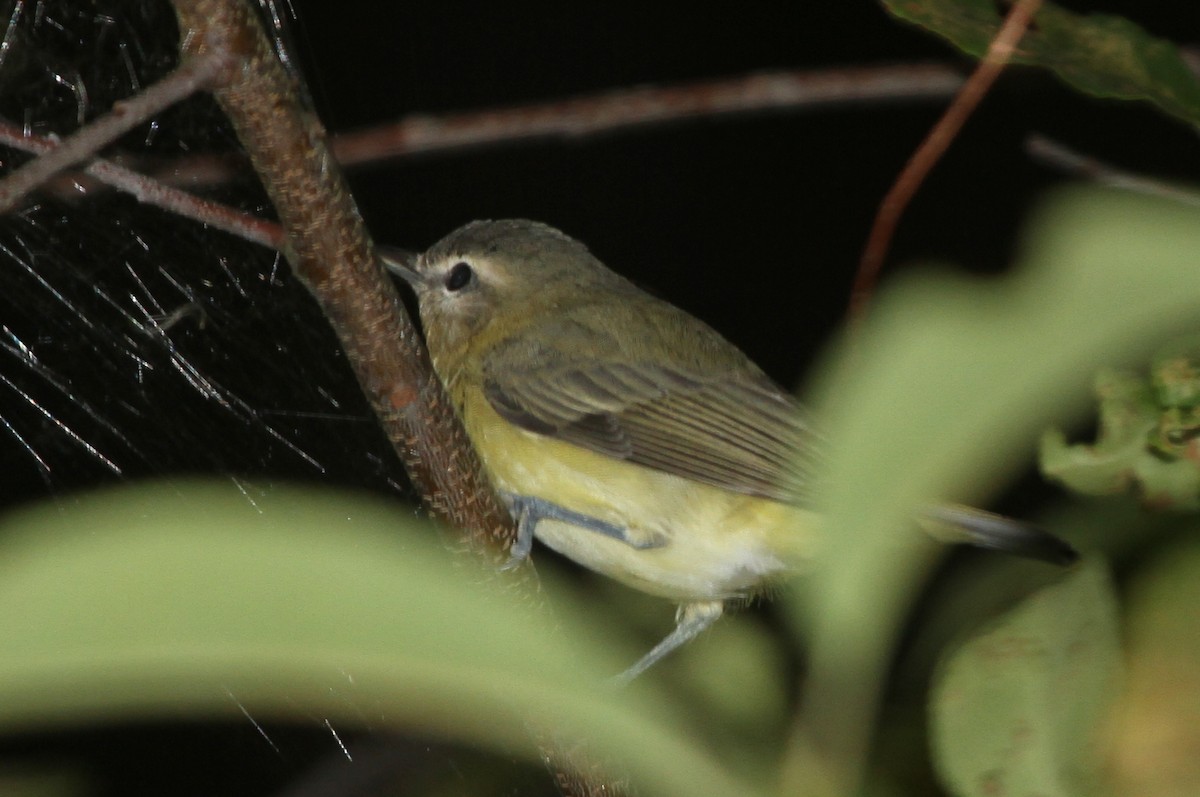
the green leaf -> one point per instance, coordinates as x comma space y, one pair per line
952, 381
207, 600
943, 397
1102, 55
1017, 710
1147, 439
1155, 730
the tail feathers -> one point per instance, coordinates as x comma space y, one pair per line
996, 532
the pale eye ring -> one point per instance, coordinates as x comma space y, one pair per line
459, 276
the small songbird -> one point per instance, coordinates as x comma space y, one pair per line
626, 434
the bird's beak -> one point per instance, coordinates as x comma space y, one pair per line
400, 262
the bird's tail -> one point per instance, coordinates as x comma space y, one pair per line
954, 523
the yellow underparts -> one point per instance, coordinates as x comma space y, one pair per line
708, 543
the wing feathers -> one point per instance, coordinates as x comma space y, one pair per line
734, 429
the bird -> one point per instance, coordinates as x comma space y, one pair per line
628, 435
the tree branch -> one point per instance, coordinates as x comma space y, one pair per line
591, 114
647, 105
328, 248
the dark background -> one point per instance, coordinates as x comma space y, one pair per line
753, 223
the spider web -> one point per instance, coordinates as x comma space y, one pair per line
134, 343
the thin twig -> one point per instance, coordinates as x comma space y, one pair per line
329, 250
190, 75
590, 114
1060, 157
575, 117
153, 192
647, 105
930, 152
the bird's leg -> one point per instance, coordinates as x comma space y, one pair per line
690, 621
530, 510
523, 544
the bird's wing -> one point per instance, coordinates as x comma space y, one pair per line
728, 426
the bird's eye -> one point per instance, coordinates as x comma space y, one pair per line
458, 276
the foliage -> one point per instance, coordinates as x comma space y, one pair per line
1099, 54
1043, 678
1147, 439
151, 600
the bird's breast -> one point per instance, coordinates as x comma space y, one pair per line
685, 540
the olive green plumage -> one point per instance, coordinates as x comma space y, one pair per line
629, 435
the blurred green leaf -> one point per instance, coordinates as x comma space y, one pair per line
1176, 373
1120, 458
1154, 732
1127, 416
205, 600
943, 397
1016, 710
950, 384
1147, 438
1099, 54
